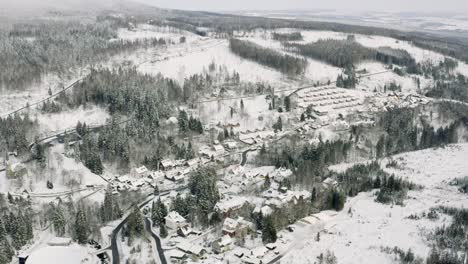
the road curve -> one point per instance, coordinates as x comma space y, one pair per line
244, 156
115, 232
157, 240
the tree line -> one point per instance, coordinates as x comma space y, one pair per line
285, 63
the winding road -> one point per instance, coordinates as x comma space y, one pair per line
116, 231
157, 240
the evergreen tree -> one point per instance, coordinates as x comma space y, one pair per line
163, 231
158, 212
268, 230
135, 223
58, 220
287, 103
183, 122
81, 226
108, 206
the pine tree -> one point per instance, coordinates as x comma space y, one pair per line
108, 206
158, 212
135, 222
268, 230
81, 226
58, 221
163, 231
287, 104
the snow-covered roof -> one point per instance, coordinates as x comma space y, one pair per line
218, 148
167, 163
266, 210
225, 241
175, 217
190, 248
73, 254
141, 170
259, 252
230, 203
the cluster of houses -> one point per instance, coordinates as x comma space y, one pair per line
323, 99
238, 178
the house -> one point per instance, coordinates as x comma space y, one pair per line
195, 250
250, 260
230, 205
231, 145
192, 162
176, 254
174, 220
222, 244
237, 227
157, 176
330, 183
240, 252
140, 172
185, 231
259, 252
166, 164
219, 150
175, 176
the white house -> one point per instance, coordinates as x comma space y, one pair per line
140, 172
174, 220
219, 150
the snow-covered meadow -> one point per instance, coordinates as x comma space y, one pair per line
358, 233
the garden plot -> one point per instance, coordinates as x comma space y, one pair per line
357, 233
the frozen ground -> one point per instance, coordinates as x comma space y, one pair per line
254, 116
371, 41
316, 70
73, 254
179, 64
11, 100
65, 173
146, 31
408, 83
57, 122
356, 237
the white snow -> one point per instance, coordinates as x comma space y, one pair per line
57, 122
146, 31
73, 254
188, 62
357, 237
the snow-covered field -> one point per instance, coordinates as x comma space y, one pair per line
419, 54
194, 60
357, 233
64, 120
146, 31
407, 83
65, 173
316, 70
